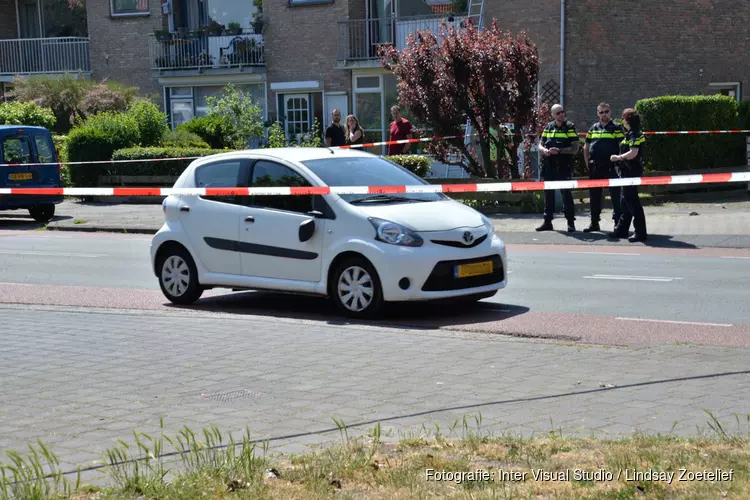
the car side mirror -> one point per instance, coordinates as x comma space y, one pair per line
306, 230
315, 213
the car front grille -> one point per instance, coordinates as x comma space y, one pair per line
442, 277
459, 244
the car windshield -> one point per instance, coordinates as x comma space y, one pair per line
370, 171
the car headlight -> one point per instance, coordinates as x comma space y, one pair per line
395, 234
488, 224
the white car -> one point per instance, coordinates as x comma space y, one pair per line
361, 250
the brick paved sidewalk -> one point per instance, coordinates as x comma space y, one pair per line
80, 378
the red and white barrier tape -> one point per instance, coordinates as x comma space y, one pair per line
429, 188
355, 146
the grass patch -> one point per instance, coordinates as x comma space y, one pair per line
79, 221
460, 463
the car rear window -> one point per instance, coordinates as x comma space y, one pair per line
16, 150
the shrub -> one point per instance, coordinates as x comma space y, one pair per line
183, 139
743, 112
212, 129
152, 123
102, 99
170, 167
238, 109
26, 113
691, 152
97, 139
418, 165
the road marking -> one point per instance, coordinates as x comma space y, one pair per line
732, 257
675, 322
49, 254
633, 278
607, 253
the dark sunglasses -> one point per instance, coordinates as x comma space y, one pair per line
604, 112
559, 113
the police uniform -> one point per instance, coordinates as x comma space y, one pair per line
558, 167
632, 210
603, 141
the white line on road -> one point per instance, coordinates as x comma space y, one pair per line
733, 257
674, 322
607, 253
49, 254
633, 278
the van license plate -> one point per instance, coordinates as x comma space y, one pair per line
25, 176
476, 269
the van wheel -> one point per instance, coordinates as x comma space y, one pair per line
42, 213
356, 289
178, 277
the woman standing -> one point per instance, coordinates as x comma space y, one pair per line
629, 163
353, 132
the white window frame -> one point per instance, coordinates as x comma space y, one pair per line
380, 89
736, 86
306, 123
142, 13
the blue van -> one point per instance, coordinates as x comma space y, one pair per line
20, 145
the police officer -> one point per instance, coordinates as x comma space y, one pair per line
629, 163
602, 141
557, 146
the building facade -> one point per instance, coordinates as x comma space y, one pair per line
302, 58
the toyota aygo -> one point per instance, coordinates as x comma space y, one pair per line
360, 250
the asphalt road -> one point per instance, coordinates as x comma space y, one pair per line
594, 294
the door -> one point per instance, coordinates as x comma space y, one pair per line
212, 223
270, 244
297, 114
336, 101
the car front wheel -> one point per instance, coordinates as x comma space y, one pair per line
356, 290
178, 277
42, 213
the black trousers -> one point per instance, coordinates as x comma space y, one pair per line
632, 211
603, 169
557, 171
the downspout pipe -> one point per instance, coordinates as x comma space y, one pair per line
562, 53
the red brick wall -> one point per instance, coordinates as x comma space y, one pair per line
119, 46
302, 44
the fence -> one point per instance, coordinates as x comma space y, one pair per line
30, 56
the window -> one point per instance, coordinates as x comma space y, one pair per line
270, 174
731, 89
220, 174
129, 7
16, 150
297, 115
44, 149
372, 171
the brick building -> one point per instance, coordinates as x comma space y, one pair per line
302, 58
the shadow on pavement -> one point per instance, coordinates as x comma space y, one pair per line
654, 240
427, 316
22, 221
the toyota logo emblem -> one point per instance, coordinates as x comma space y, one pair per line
468, 237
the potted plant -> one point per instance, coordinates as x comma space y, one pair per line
233, 29
162, 35
258, 23
214, 28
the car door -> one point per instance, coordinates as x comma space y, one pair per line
270, 235
212, 223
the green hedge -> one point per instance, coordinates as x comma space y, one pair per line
744, 114
26, 113
170, 167
691, 152
418, 165
211, 129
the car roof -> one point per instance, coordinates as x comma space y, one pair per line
289, 154
25, 127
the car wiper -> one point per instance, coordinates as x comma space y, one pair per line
385, 197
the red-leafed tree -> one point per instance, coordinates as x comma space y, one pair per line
486, 76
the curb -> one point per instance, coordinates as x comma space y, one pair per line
103, 229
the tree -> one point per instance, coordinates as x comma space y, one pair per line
488, 77
237, 109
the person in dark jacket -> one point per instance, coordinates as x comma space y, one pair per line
629, 163
602, 141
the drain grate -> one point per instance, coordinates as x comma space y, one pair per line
232, 395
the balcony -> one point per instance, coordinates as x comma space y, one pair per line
204, 51
359, 39
39, 56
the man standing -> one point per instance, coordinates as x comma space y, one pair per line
400, 130
603, 140
335, 132
558, 145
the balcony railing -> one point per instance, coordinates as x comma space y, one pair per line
199, 50
359, 39
30, 56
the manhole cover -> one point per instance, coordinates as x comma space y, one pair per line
232, 395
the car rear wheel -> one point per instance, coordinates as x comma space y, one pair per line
42, 213
178, 277
356, 289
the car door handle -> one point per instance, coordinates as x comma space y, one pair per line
184, 208
250, 218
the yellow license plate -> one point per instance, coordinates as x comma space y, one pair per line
476, 269
25, 176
